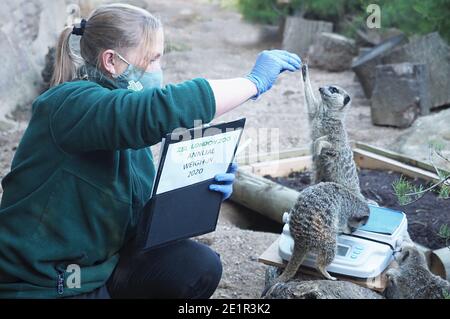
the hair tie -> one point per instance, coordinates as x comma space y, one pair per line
79, 31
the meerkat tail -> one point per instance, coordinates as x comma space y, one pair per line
323, 260
297, 258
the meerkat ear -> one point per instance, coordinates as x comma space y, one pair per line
346, 100
404, 256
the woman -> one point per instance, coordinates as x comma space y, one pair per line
83, 169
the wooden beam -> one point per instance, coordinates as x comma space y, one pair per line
396, 156
247, 159
366, 159
283, 167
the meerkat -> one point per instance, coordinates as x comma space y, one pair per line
412, 279
321, 212
331, 151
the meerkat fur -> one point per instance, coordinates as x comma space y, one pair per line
412, 279
322, 211
331, 151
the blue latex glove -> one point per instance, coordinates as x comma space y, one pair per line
226, 182
269, 65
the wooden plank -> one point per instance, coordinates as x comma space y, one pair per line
366, 159
396, 156
282, 167
246, 159
271, 257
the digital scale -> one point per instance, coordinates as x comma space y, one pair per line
366, 252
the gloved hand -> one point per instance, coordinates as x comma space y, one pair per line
269, 65
226, 182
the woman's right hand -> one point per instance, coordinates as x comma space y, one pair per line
269, 65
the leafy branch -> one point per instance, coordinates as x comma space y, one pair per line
408, 193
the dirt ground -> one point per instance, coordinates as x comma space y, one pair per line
206, 40
425, 216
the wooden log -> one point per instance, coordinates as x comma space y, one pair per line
300, 33
262, 195
364, 67
332, 52
400, 94
433, 51
440, 262
320, 289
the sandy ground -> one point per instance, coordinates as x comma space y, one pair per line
206, 40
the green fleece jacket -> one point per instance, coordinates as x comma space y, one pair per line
82, 172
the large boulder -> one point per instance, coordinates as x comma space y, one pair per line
401, 93
332, 52
364, 66
27, 29
432, 50
415, 141
300, 33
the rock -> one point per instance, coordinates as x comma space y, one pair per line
415, 140
300, 33
364, 66
27, 29
432, 50
320, 289
373, 37
47, 71
332, 52
400, 94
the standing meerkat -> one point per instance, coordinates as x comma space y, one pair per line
332, 153
412, 279
322, 211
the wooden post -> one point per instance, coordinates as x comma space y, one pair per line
440, 262
300, 33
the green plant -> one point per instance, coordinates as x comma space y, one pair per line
444, 233
408, 193
446, 294
410, 16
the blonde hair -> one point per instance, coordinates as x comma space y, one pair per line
114, 26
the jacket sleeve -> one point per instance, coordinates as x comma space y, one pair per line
91, 117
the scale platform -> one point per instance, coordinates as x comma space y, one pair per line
365, 253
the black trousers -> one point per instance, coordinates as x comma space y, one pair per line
185, 269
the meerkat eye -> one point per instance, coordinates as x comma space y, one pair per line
333, 89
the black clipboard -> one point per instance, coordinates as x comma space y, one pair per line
187, 211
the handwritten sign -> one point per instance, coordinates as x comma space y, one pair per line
196, 160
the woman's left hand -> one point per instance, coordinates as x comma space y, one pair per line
225, 182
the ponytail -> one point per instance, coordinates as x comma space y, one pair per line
66, 62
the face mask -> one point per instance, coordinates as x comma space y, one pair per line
135, 79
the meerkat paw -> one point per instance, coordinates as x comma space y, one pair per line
320, 144
304, 71
325, 273
391, 276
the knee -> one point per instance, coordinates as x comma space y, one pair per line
208, 277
